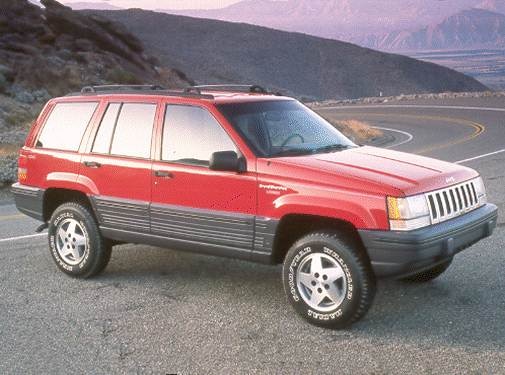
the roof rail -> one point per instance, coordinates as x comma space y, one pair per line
140, 89
228, 87
93, 89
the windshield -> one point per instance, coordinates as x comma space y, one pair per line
283, 128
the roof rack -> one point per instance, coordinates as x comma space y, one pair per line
191, 91
228, 87
93, 89
139, 89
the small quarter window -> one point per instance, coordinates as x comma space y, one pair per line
191, 135
66, 125
134, 128
106, 129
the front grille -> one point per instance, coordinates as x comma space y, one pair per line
453, 201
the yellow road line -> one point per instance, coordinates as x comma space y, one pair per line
478, 128
10, 217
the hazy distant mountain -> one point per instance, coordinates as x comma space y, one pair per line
493, 5
473, 28
340, 19
365, 22
218, 52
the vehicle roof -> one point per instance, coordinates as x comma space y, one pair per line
209, 96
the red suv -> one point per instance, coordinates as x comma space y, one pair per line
246, 174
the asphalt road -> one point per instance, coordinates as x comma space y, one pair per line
159, 311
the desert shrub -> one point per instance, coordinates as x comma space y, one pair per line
118, 75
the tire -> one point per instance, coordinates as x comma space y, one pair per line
428, 275
75, 242
309, 267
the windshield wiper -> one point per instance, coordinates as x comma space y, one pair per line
329, 148
293, 152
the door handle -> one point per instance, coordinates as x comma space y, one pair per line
165, 174
92, 164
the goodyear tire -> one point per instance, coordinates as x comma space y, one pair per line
428, 275
328, 279
75, 242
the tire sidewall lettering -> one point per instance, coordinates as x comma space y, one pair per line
292, 271
345, 267
293, 291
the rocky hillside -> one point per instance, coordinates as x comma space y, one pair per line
216, 51
52, 51
56, 50
473, 28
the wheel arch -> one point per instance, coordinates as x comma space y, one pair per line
292, 227
54, 197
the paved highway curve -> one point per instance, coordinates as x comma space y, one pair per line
159, 311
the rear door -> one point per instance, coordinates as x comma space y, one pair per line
192, 203
118, 165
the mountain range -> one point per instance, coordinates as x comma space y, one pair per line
211, 51
398, 25
369, 23
472, 28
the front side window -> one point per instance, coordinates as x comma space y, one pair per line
133, 131
191, 134
66, 125
283, 127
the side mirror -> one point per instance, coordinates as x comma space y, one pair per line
226, 161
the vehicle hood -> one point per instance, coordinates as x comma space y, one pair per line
377, 169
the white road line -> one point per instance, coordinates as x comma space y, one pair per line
407, 134
413, 106
479, 156
22, 237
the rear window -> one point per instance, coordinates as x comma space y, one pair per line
66, 125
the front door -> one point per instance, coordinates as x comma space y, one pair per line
192, 203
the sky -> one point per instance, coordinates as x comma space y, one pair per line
162, 4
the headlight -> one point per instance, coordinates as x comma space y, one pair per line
408, 213
480, 190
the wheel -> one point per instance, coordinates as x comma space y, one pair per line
328, 279
75, 242
428, 275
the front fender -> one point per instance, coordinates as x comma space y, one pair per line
367, 212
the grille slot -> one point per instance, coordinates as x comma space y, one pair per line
450, 202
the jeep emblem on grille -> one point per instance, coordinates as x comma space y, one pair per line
448, 180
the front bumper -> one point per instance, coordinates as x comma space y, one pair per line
398, 254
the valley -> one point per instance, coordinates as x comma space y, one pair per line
487, 66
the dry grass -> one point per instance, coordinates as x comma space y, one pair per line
8, 149
358, 131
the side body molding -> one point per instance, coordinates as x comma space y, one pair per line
182, 228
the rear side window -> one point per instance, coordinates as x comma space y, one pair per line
191, 135
131, 135
66, 125
106, 129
